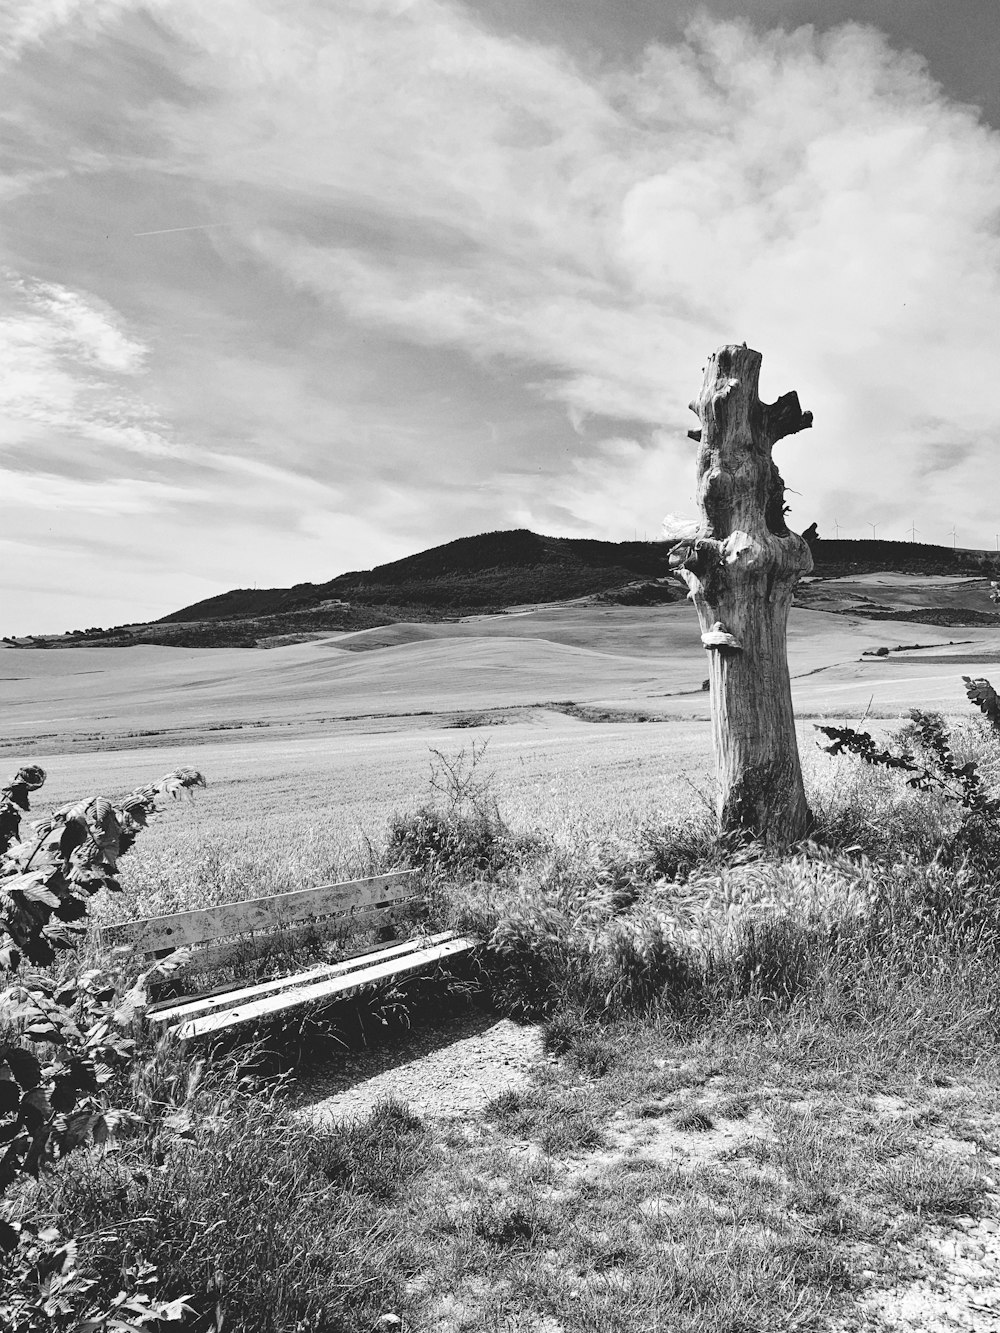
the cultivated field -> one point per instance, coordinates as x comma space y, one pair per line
411, 676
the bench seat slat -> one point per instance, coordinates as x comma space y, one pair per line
320, 990
205, 924
187, 1007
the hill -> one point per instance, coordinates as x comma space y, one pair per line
489, 572
835, 557
498, 571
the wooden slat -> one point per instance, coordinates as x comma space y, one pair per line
321, 990
200, 925
242, 950
192, 1005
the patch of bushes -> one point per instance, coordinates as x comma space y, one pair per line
450, 841
460, 829
540, 960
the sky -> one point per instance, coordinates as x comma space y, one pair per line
295, 287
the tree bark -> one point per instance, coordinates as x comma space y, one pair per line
741, 571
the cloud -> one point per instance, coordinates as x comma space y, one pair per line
103, 499
24, 23
814, 194
65, 356
464, 282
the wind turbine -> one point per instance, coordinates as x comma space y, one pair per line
914, 532
954, 537
873, 526
837, 526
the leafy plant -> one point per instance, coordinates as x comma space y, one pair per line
47, 879
14, 803
460, 828
923, 751
51, 1102
983, 695
45, 1289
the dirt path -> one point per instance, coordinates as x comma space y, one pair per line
441, 1072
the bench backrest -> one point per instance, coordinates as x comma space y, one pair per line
326, 905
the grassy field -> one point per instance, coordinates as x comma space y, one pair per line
770, 1098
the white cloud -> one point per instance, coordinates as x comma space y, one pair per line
815, 195
59, 496
87, 329
66, 357
23, 23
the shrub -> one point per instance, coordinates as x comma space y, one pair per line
448, 841
925, 751
542, 957
460, 830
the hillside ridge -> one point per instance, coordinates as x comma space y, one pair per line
494, 572
513, 567
490, 571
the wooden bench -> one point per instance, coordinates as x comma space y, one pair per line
237, 936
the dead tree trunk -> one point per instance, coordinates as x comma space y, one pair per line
741, 570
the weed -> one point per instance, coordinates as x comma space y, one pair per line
693, 1119
460, 830
376, 1155
655, 1110
508, 1224
443, 842
570, 1034
936, 1186
736, 1106
560, 1124
775, 958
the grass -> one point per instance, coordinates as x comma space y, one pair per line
253, 1215
757, 1070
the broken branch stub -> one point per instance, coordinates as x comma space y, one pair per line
740, 576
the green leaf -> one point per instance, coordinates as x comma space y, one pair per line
10, 958
33, 888
64, 1095
45, 1031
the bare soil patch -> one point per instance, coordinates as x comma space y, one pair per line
441, 1072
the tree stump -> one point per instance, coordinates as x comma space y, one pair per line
741, 570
